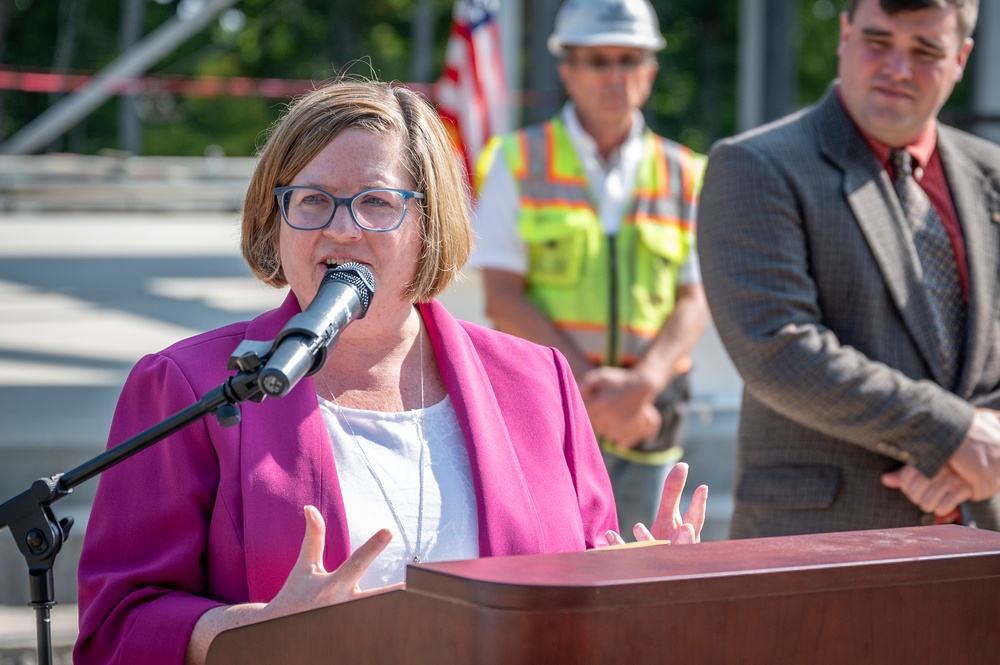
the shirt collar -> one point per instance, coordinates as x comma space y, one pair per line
586, 144
922, 149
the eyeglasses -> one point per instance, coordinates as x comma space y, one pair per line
601, 64
378, 210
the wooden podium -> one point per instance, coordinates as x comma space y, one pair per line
913, 595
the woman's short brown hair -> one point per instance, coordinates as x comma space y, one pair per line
315, 119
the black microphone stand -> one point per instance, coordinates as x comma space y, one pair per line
39, 535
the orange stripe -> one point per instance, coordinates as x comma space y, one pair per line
587, 326
688, 166
562, 204
644, 334
662, 169
682, 365
665, 220
582, 326
522, 172
550, 161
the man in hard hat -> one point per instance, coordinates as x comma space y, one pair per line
586, 242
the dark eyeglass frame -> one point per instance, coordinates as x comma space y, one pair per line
281, 192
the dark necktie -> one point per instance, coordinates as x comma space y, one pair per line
937, 261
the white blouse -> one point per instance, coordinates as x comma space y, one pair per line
447, 521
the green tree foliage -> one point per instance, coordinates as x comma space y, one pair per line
292, 39
818, 34
694, 99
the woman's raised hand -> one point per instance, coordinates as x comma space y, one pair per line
309, 585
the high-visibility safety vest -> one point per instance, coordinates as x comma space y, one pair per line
609, 293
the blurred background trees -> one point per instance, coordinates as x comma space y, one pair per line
694, 99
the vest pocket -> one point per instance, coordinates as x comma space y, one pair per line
557, 247
660, 251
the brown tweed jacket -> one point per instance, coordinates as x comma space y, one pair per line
814, 286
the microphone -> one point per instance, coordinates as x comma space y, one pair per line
300, 348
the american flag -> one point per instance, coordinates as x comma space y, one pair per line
472, 91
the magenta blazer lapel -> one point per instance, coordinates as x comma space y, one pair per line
287, 463
508, 523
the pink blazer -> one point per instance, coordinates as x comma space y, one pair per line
213, 515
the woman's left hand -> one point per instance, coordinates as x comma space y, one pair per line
669, 525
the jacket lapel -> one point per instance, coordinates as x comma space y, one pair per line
287, 463
876, 207
508, 523
977, 202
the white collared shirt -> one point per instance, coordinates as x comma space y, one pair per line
611, 179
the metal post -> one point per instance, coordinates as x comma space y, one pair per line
986, 85
750, 73
129, 123
511, 30
543, 80
780, 60
422, 66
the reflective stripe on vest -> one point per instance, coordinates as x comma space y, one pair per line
570, 264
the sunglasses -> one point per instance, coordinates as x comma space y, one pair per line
601, 64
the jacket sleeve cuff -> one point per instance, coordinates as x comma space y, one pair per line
942, 436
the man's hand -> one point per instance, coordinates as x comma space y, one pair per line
939, 495
972, 473
977, 459
620, 405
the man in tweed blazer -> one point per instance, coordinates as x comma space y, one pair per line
813, 280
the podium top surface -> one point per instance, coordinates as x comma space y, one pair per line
806, 563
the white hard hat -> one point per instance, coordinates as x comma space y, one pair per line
606, 23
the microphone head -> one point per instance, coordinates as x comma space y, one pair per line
358, 276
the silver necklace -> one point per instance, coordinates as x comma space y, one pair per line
420, 462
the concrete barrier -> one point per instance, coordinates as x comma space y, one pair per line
119, 182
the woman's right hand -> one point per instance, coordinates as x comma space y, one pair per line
307, 587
